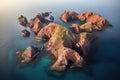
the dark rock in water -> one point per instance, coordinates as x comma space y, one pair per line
29, 54
22, 20
25, 33
46, 14
51, 18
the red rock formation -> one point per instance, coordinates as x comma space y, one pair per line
67, 15
65, 55
94, 18
39, 21
37, 25
47, 31
89, 27
92, 21
60, 45
29, 54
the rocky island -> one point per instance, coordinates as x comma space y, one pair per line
92, 21
67, 46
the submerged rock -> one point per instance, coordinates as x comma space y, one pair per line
25, 33
29, 54
22, 20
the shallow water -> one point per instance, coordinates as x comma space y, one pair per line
103, 60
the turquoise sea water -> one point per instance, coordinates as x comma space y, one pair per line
103, 61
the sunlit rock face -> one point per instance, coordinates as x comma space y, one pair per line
60, 44
29, 54
92, 21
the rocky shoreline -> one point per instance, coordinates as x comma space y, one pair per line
64, 44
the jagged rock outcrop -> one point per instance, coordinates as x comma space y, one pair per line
92, 21
86, 27
66, 55
39, 21
25, 33
22, 20
60, 44
36, 23
68, 15
94, 18
29, 54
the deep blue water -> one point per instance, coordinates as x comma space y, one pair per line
103, 61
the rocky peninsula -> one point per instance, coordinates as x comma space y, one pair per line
67, 46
